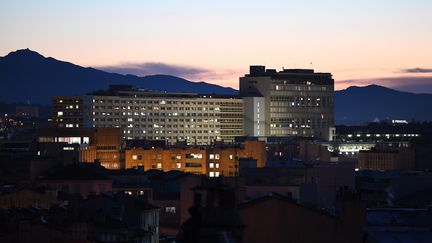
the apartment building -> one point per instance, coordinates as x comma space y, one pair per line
67, 111
378, 158
212, 161
94, 144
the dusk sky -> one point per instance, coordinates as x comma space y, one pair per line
360, 42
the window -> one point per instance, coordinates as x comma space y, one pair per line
190, 164
170, 209
211, 165
60, 113
178, 165
217, 174
159, 165
194, 156
212, 174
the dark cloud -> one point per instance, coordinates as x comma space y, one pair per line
151, 68
417, 70
188, 72
410, 84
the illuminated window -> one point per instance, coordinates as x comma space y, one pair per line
211, 174
211, 165
159, 165
211, 156
170, 209
178, 165
60, 113
217, 174
217, 166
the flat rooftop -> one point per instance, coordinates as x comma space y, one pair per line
132, 91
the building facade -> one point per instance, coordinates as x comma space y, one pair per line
103, 145
173, 117
387, 159
291, 102
67, 111
211, 161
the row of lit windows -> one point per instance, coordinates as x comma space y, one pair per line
170, 131
143, 108
298, 104
187, 156
296, 98
191, 139
163, 102
66, 101
200, 120
307, 87
95, 113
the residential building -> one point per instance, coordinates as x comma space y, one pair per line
275, 218
214, 161
84, 179
395, 188
377, 158
95, 144
312, 184
214, 215
291, 102
385, 225
67, 111
26, 197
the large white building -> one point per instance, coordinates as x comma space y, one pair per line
196, 119
291, 102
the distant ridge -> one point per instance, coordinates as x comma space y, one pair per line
30, 77
356, 105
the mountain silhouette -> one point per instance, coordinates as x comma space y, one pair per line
27, 76
356, 105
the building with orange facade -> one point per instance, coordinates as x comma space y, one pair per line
213, 161
95, 144
106, 146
